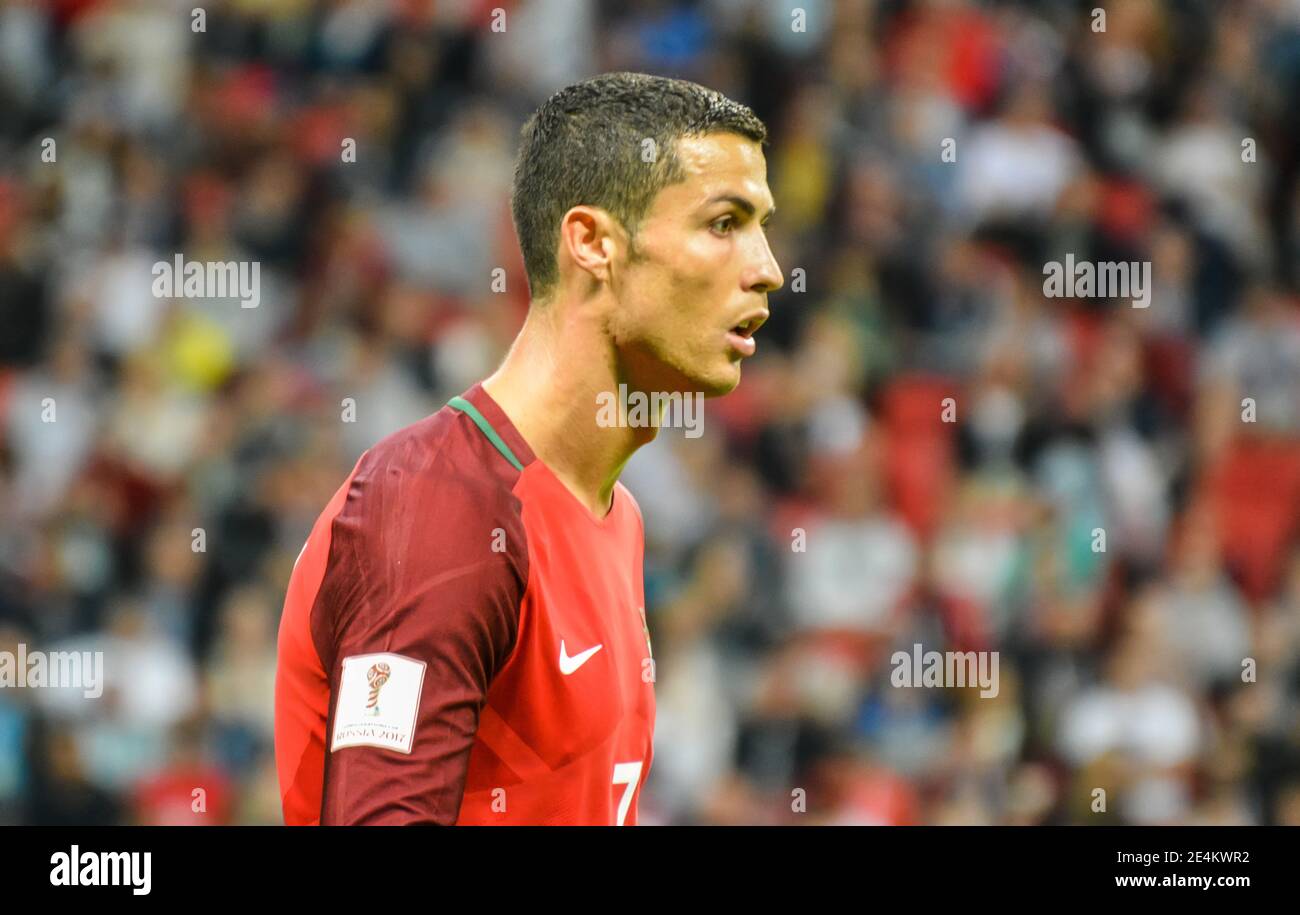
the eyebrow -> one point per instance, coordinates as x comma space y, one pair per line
741, 203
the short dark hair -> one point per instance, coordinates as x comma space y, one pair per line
584, 146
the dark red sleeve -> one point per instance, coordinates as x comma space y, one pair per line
427, 562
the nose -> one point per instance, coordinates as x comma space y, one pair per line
764, 274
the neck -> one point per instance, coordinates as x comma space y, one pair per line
548, 385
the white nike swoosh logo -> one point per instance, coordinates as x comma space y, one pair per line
569, 664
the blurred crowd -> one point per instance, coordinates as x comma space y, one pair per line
927, 449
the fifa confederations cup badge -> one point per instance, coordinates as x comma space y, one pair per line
377, 676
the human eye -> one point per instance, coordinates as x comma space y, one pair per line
728, 221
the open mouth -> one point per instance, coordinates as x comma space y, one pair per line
741, 336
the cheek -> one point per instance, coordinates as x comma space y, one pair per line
656, 301
700, 281
673, 304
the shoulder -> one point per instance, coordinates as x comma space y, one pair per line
431, 499
442, 461
429, 543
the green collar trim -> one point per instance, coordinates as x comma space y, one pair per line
464, 406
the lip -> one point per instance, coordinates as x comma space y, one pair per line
744, 343
746, 346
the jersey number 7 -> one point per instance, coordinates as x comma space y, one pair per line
626, 774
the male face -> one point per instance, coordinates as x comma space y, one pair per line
695, 288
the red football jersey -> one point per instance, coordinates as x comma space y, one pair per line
463, 642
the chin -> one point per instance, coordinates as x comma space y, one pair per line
712, 378
720, 382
